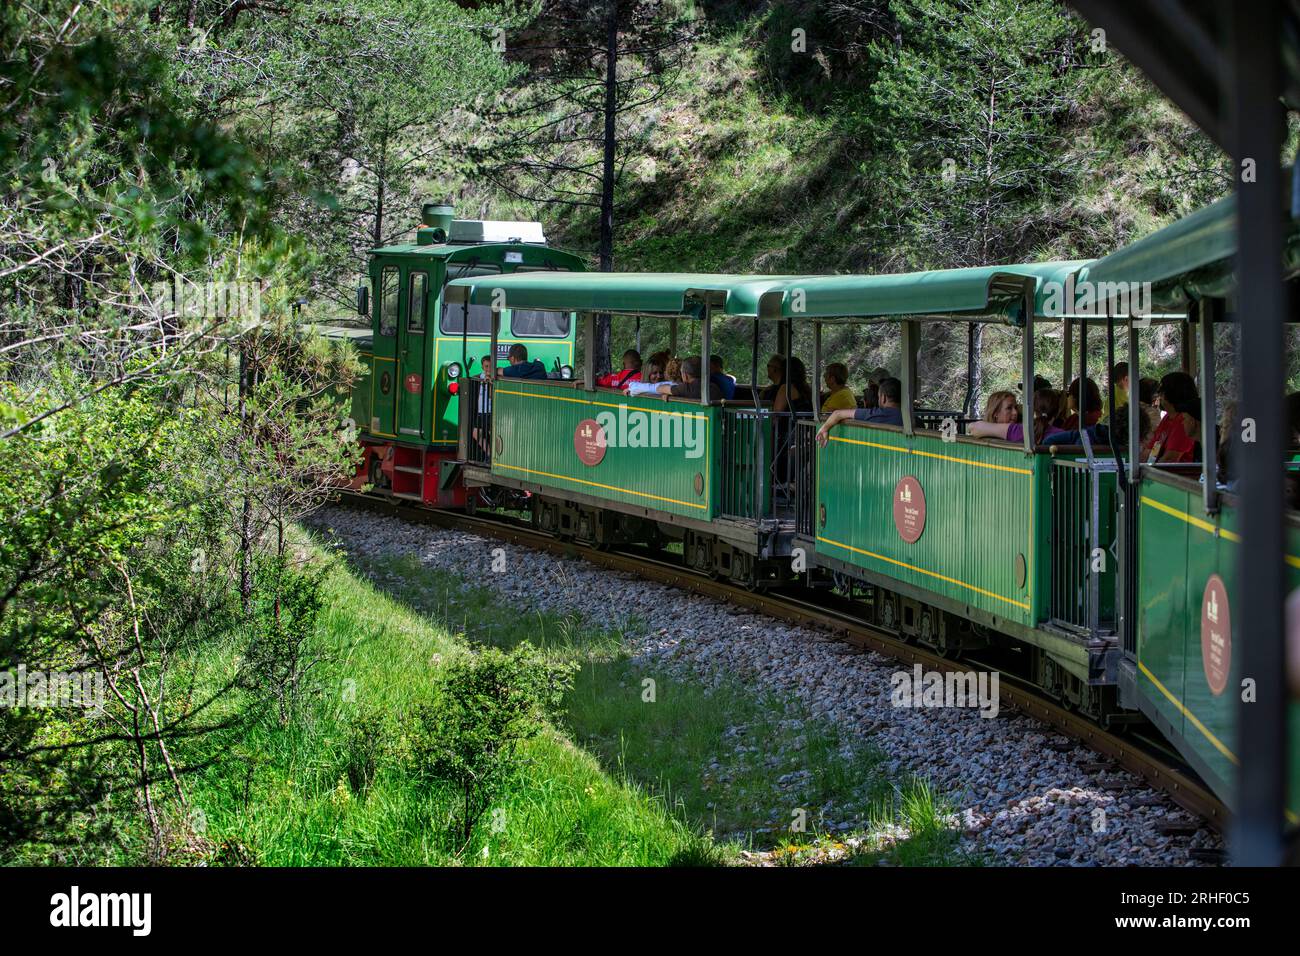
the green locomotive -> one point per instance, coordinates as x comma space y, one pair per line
420, 352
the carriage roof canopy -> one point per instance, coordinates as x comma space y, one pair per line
662, 293
1190, 259
988, 293
982, 294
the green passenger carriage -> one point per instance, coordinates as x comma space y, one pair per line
1179, 665
605, 467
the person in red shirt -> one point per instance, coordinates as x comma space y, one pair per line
631, 372
1177, 437
1092, 398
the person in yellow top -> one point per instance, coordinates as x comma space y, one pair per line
839, 394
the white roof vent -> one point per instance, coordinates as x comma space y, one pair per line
491, 230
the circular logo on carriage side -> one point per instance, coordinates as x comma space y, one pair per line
413, 383
385, 383
1216, 634
699, 483
589, 442
909, 509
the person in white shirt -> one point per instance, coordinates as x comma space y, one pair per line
652, 376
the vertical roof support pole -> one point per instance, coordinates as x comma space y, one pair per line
1110, 360
1067, 349
589, 356
706, 343
817, 370
911, 342
1027, 369
1134, 408
1208, 312
753, 365
493, 324
1082, 397
1255, 32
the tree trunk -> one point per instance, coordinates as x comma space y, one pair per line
378, 234
601, 347
975, 333
246, 511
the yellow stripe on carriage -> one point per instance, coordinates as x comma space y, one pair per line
591, 401
597, 484
931, 454
1208, 526
934, 574
1218, 744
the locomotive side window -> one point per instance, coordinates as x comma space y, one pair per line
417, 303
453, 319
388, 298
537, 324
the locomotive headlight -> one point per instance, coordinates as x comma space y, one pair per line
453, 370
566, 372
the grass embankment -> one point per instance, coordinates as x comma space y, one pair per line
694, 776
686, 774
288, 793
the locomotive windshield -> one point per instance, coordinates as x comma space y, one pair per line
534, 323
453, 319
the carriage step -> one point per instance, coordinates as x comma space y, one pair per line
407, 495
408, 469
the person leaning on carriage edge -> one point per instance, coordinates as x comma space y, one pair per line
519, 366
887, 413
689, 386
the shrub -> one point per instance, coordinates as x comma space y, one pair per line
287, 607
368, 742
485, 705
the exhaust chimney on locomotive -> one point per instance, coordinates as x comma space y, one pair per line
436, 223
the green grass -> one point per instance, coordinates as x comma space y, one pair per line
725, 762
284, 792
689, 774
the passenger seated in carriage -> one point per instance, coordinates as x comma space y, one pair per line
1092, 398
1113, 432
724, 385
652, 376
1175, 439
631, 372
689, 386
1002, 417
795, 395
776, 376
889, 412
520, 367
838, 394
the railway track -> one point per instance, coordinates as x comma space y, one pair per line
1146, 758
